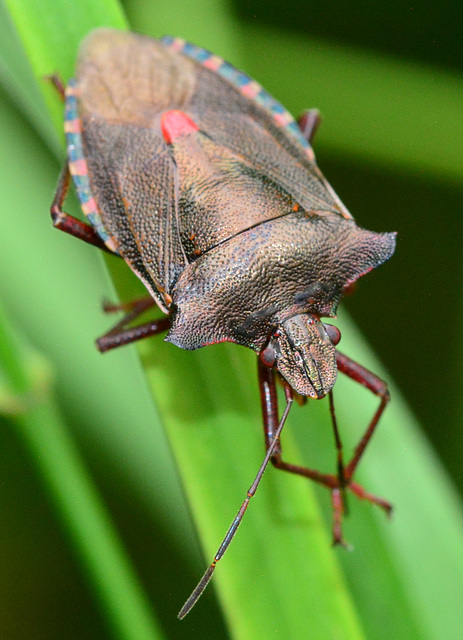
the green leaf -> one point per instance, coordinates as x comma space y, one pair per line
281, 574
376, 108
27, 399
251, 616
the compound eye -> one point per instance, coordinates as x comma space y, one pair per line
268, 356
333, 333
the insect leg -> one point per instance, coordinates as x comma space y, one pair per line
269, 403
69, 224
139, 303
336, 483
120, 335
274, 443
309, 123
372, 382
338, 496
57, 82
337, 439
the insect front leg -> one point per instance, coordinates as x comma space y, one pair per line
269, 404
338, 496
343, 479
68, 223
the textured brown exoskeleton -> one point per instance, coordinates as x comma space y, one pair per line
207, 188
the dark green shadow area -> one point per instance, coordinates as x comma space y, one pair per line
409, 309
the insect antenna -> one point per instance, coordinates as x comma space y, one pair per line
202, 584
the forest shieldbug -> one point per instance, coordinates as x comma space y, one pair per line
206, 186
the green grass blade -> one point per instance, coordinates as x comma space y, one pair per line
18, 79
26, 397
280, 572
281, 575
246, 619
412, 565
386, 111
112, 575
378, 95
50, 33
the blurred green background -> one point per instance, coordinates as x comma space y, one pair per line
387, 80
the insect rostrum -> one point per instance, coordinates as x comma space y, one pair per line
209, 190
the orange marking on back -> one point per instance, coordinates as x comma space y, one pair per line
126, 203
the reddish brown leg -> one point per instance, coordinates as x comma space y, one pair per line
62, 220
69, 224
56, 81
337, 503
309, 123
372, 382
269, 402
120, 335
270, 417
338, 496
338, 443
139, 303
337, 483
126, 336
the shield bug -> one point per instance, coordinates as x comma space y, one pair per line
205, 185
